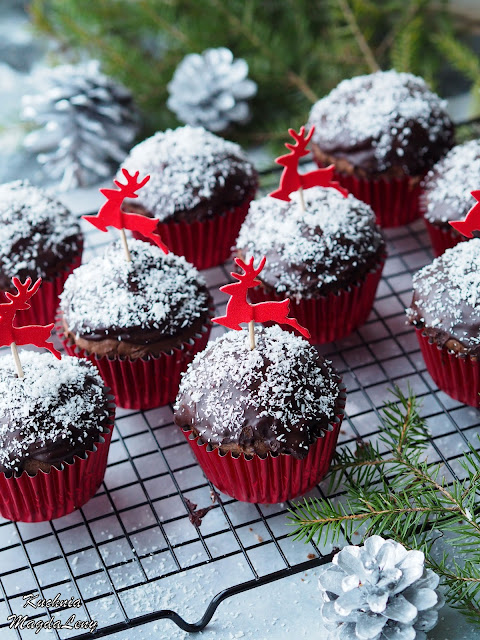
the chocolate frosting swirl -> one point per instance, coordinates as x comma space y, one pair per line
154, 298
38, 235
60, 409
194, 175
278, 398
383, 121
332, 245
447, 187
446, 299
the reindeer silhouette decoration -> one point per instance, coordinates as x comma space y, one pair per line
291, 180
13, 336
112, 215
472, 221
240, 310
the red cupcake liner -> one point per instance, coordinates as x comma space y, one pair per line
53, 494
204, 244
44, 303
271, 479
333, 316
457, 375
442, 238
395, 201
142, 383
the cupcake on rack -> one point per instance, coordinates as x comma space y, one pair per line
40, 238
139, 314
382, 132
56, 421
199, 191
446, 193
445, 311
324, 250
262, 411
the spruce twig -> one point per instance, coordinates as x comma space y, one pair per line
392, 489
262, 47
358, 35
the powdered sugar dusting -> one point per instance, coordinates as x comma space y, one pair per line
109, 293
448, 185
31, 226
31, 406
335, 235
281, 379
186, 165
447, 293
379, 109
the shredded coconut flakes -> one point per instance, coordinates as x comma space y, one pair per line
448, 290
154, 289
24, 401
450, 182
379, 108
335, 235
32, 225
280, 378
186, 165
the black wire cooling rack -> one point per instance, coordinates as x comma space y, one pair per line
136, 554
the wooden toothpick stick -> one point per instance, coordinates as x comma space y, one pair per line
128, 257
302, 199
16, 359
251, 332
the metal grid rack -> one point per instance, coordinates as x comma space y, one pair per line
132, 555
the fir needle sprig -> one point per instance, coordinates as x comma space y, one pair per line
392, 489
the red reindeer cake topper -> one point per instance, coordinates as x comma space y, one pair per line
13, 336
472, 221
112, 214
240, 310
291, 180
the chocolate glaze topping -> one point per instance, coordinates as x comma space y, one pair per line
330, 247
149, 302
38, 235
60, 409
446, 299
381, 121
194, 175
446, 188
277, 398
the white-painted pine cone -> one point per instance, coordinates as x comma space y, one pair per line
211, 90
87, 122
379, 591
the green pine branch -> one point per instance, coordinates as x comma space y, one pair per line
297, 50
391, 489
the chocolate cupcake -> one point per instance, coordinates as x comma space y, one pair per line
140, 322
39, 238
382, 132
446, 194
445, 311
328, 259
263, 423
55, 430
199, 190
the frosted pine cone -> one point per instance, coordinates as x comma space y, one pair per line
87, 121
211, 90
379, 591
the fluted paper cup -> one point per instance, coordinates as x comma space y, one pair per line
333, 316
205, 244
142, 383
53, 494
442, 238
275, 478
395, 201
458, 375
44, 303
